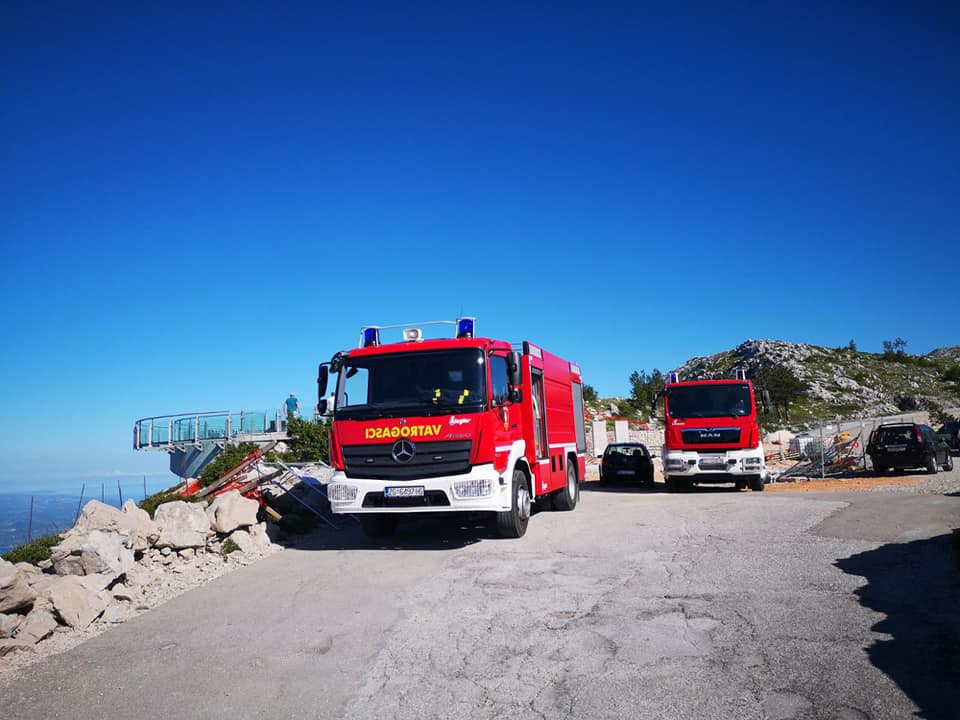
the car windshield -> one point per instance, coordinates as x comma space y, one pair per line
411, 383
624, 450
702, 401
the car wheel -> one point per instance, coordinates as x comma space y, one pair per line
650, 481
932, 464
566, 499
948, 465
512, 523
879, 469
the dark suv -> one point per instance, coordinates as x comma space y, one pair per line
626, 461
950, 433
907, 445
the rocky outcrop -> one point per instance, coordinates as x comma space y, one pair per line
182, 525
114, 562
39, 624
15, 591
75, 603
839, 380
231, 511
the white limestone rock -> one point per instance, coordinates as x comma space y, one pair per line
39, 624
9, 623
182, 525
231, 511
134, 524
75, 603
15, 591
244, 541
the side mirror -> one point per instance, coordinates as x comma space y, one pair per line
323, 376
513, 369
516, 395
322, 406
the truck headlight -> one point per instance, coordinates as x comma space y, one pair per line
472, 488
675, 463
341, 492
752, 463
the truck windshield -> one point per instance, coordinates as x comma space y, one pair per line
412, 383
701, 401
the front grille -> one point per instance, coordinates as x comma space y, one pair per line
430, 459
431, 498
710, 436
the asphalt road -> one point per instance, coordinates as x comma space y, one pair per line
638, 604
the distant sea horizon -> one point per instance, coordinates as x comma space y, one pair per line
56, 503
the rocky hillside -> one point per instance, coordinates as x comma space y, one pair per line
845, 382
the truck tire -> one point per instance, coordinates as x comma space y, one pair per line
566, 498
756, 483
512, 523
740, 484
674, 484
378, 526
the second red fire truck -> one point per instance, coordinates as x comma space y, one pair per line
462, 424
711, 434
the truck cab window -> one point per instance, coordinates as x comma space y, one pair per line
499, 389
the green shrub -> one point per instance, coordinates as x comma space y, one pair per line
231, 456
171, 494
228, 547
309, 440
34, 551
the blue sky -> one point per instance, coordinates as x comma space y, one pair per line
199, 204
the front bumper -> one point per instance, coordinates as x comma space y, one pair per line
719, 466
441, 494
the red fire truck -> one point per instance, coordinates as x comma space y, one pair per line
461, 424
711, 433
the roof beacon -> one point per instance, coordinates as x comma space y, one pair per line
412, 334
369, 336
740, 374
465, 327
674, 377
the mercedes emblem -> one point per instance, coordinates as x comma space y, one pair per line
403, 451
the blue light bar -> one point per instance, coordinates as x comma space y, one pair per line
465, 327
371, 336
674, 377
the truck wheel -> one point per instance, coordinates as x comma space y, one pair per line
513, 522
756, 483
566, 499
378, 526
932, 464
674, 484
740, 484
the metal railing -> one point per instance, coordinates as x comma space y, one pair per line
168, 431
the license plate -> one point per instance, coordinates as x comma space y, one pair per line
713, 461
403, 491
896, 448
